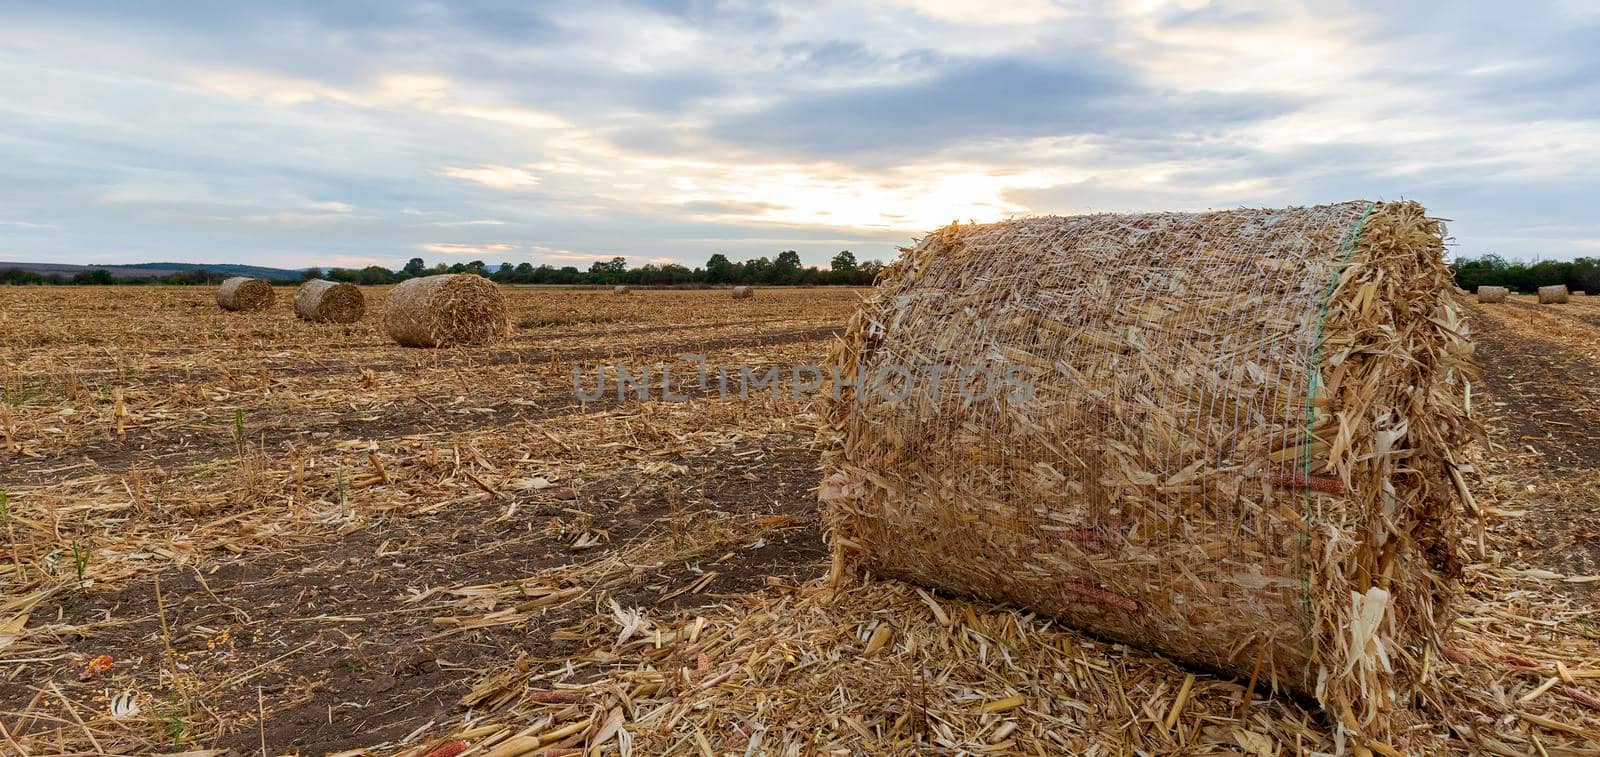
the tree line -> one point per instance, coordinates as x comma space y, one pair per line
1580, 275
785, 269
101, 276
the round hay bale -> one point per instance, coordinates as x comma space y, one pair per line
742, 293
1556, 294
242, 293
1222, 436
620, 289
1492, 294
329, 302
1580, 293
446, 310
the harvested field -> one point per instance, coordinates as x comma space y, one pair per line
257, 534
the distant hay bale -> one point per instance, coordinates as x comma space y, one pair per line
1580, 293
1492, 294
741, 293
242, 293
329, 302
620, 289
1223, 436
446, 310
1556, 294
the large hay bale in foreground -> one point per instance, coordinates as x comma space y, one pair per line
447, 310
242, 293
1553, 295
329, 302
744, 292
1223, 436
1492, 294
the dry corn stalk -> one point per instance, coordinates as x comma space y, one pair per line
1222, 436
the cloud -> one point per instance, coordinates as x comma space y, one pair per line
523, 117
991, 101
499, 177
450, 248
961, 12
292, 219
303, 132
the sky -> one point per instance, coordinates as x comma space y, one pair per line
313, 132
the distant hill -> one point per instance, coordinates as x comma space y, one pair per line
144, 270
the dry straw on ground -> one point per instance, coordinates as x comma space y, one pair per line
445, 311
1229, 438
329, 302
745, 292
1553, 295
1492, 294
244, 293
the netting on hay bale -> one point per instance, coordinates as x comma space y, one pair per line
1492, 294
329, 302
743, 292
446, 310
1553, 295
1224, 436
242, 293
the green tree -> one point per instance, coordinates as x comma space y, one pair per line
719, 270
1585, 276
609, 271
311, 274
786, 268
376, 274
756, 271
844, 262
415, 267
673, 273
868, 271
615, 265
